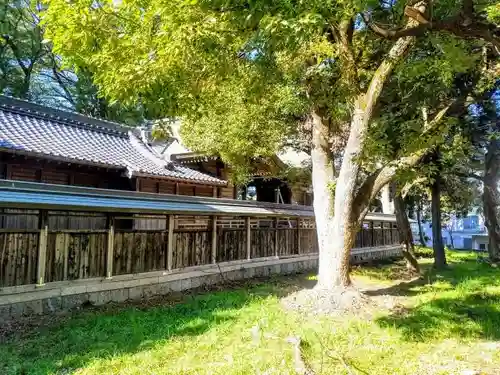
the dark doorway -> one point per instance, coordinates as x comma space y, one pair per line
267, 190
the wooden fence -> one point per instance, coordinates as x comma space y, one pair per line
39, 246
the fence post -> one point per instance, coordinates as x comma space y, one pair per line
298, 236
111, 246
214, 239
276, 237
248, 237
372, 230
390, 230
170, 242
43, 224
382, 229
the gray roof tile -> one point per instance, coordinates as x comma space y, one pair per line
32, 129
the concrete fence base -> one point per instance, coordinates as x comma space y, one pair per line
65, 295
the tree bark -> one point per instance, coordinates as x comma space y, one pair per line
491, 199
405, 235
450, 232
333, 271
419, 222
437, 235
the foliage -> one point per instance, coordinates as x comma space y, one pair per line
29, 68
243, 76
424, 252
450, 319
239, 76
22, 51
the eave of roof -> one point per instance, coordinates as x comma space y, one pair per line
63, 197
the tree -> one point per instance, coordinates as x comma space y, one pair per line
437, 232
246, 76
404, 229
482, 162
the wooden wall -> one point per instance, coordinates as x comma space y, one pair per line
18, 258
74, 254
39, 170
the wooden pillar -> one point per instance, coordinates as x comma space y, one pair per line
372, 230
111, 246
43, 225
276, 237
214, 192
39, 175
298, 236
390, 230
170, 242
8, 171
71, 178
248, 237
382, 229
214, 239
176, 188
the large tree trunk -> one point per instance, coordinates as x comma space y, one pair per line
491, 199
437, 235
337, 235
405, 235
331, 269
421, 236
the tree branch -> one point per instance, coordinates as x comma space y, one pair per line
382, 176
343, 34
463, 25
377, 180
15, 51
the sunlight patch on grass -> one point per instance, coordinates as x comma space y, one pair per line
443, 327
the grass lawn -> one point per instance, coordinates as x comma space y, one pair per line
445, 324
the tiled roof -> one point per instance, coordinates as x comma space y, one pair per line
33, 129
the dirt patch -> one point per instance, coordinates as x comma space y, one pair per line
323, 301
361, 299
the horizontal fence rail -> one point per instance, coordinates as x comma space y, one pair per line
41, 245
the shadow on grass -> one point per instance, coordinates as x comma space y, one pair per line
383, 270
462, 301
471, 316
87, 335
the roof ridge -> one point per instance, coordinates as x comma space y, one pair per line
62, 117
